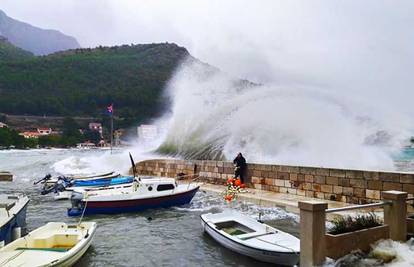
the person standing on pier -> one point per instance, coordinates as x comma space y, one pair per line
240, 167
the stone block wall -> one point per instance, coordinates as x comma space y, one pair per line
351, 186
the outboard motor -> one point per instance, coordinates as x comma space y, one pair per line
44, 179
77, 204
60, 186
62, 183
76, 200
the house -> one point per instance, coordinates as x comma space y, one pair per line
30, 134
44, 131
96, 126
3, 125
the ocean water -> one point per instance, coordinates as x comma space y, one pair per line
172, 237
162, 237
404, 160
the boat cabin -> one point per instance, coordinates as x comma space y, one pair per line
157, 184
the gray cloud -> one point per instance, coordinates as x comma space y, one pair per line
361, 49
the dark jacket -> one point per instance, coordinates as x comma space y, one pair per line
240, 162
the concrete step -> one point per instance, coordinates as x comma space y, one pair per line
288, 202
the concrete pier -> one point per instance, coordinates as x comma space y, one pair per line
6, 176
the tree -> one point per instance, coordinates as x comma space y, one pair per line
3, 118
71, 134
6, 139
92, 136
10, 137
50, 140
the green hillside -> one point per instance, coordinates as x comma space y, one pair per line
84, 81
9, 52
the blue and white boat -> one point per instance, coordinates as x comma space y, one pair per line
63, 189
48, 180
103, 181
148, 193
12, 217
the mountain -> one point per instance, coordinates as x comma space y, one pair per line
36, 40
82, 82
9, 52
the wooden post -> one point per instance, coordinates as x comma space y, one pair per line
395, 215
312, 233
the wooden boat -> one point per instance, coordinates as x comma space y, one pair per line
51, 181
143, 194
12, 217
93, 175
54, 244
247, 236
103, 181
64, 184
67, 193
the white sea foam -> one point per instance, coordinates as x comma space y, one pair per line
404, 252
101, 161
213, 115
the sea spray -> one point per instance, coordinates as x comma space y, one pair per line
214, 117
101, 162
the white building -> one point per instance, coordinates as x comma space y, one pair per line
96, 126
44, 131
147, 132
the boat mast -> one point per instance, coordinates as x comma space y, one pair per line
112, 129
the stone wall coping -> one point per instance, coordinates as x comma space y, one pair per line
209, 162
394, 195
313, 205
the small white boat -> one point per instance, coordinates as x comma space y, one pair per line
247, 236
67, 193
54, 244
12, 217
51, 181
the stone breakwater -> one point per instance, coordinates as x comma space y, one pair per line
350, 186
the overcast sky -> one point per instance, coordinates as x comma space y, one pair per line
364, 48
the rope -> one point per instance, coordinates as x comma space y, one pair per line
84, 208
288, 248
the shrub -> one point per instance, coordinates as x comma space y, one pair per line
349, 224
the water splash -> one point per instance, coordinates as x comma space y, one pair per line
212, 202
384, 253
214, 117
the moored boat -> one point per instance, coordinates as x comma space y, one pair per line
48, 180
247, 236
143, 194
64, 184
12, 217
54, 244
67, 193
103, 181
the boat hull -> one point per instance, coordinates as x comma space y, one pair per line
75, 257
279, 258
16, 220
134, 205
36, 249
104, 181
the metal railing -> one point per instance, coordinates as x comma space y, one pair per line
364, 206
